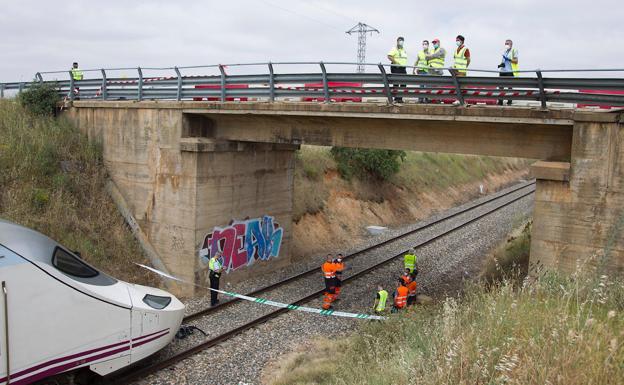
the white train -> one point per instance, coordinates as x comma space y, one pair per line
64, 314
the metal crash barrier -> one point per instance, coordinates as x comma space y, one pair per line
599, 88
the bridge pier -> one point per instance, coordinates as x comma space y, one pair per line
192, 194
579, 206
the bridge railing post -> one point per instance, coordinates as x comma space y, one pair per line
325, 83
1, 90
384, 76
271, 83
179, 87
223, 76
103, 87
542, 93
72, 93
458, 90
140, 88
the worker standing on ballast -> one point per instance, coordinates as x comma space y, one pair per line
411, 289
409, 260
380, 300
329, 276
216, 268
339, 266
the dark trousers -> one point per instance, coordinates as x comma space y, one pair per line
500, 101
214, 284
398, 70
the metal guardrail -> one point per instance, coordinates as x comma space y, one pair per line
328, 86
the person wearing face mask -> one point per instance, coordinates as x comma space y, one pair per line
461, 57
398, 61
421, 65
435, 58
508, 65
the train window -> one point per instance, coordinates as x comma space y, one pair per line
156, 301
70, 264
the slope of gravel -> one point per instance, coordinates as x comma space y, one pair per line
443, 264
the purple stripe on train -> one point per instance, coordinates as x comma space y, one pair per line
243, 242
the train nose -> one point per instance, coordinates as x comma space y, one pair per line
150, 298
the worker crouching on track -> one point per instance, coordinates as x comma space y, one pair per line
380, 300
400, 297
329, 276
339, 267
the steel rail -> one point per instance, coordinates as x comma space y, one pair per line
424, 226
151, 368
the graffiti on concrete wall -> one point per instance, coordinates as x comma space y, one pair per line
241, 243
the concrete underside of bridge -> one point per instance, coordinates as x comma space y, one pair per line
199, 173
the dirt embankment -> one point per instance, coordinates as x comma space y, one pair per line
350, 207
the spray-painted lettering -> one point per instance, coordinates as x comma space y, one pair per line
241, 243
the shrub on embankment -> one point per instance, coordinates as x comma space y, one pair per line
553, 330
415, 171
52, 179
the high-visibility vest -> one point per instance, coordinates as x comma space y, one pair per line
381, 304
401, 297
422, 65
409, 261
406, 279
329, 270
76, 74
399, 55
211, 263
437, 62
514, 66
460, 62
339, 267
412, 288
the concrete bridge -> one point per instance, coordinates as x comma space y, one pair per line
200, 174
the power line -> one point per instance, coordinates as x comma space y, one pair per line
323, 8
361, 29
299, 14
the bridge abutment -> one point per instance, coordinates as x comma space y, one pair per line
193, 195
579, 206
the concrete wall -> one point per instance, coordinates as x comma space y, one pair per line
579, 218
179, 187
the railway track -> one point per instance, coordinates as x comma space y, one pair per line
502, 199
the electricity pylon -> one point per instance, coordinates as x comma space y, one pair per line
361, 29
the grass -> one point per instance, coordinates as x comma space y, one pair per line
427, 171
551, 330
53, 181
420, 171
510, 258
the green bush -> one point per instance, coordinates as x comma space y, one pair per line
363, 162
40, 99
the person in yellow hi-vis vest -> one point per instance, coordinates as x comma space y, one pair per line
380, 300
421, 65
508, 65
461, 57
409, 260
398, 61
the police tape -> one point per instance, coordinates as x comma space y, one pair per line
264, 301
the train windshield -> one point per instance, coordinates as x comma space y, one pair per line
72, 265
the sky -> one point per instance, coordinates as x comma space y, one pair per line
50, 35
